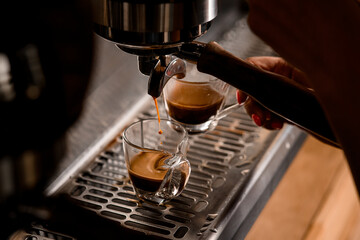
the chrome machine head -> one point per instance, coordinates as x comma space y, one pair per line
153, 29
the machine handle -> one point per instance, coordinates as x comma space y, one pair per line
275, 92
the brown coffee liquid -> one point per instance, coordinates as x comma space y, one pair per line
193, 104
146, 170
158, 114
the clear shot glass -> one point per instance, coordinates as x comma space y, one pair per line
156, 162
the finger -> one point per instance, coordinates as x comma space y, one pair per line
268, 63
256, 111
241, 96
273, 122
263, 117
280, 66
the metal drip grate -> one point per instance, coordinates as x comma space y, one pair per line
38, 232
231, 149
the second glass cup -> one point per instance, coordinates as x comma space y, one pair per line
197, 101
156, 163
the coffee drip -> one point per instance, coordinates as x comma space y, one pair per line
158, 114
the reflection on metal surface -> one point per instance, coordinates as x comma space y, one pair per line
136, 23
38, 232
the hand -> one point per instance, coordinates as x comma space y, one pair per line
260, 115
322, 39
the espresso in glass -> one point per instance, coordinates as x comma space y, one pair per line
148, 169
156, 163
193, 104
197, 100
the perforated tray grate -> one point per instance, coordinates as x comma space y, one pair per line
230, 150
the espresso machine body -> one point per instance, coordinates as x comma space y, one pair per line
160, 24
152, 30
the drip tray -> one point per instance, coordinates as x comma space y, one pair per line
222, 163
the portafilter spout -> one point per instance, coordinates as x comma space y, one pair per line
162, 72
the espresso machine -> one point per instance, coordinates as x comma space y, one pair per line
160, 34
160, 29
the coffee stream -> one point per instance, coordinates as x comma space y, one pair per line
158, 114
147, 169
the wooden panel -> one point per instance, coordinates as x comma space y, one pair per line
336, 213
311, 198
354, 229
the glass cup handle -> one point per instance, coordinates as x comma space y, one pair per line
175, 179
226, 111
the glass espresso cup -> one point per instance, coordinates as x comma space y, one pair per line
197, 101
156, 162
